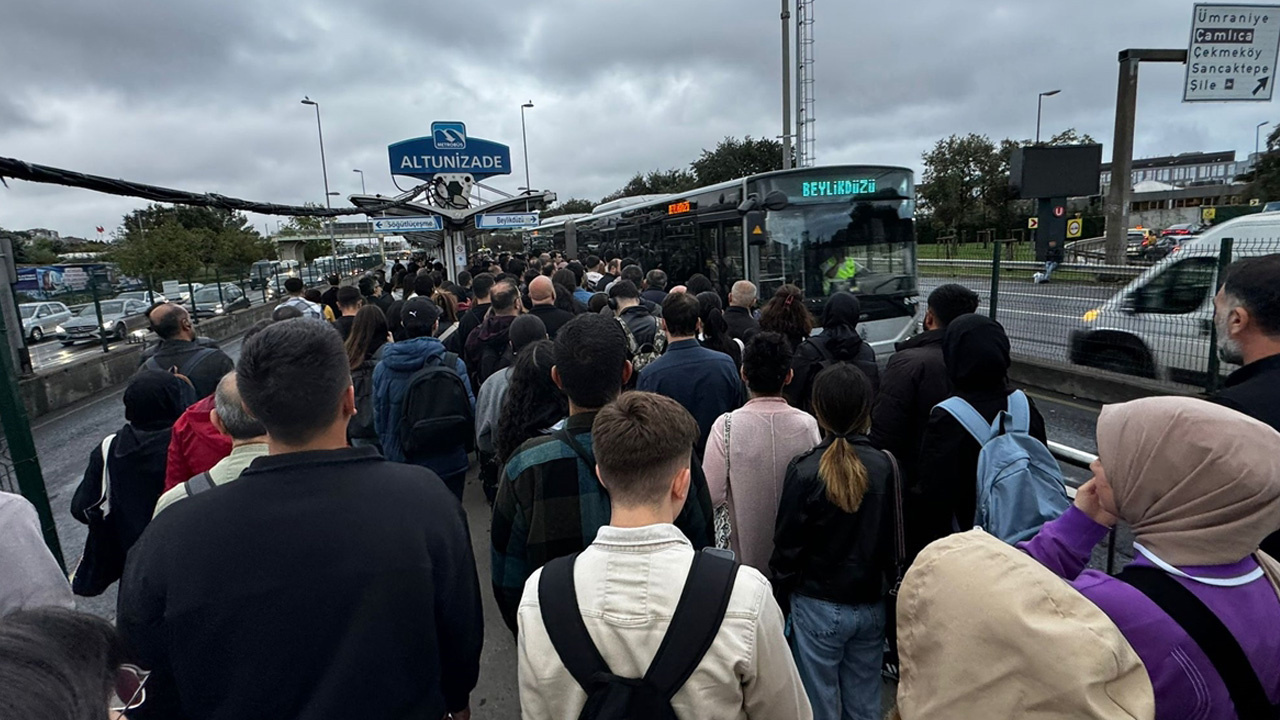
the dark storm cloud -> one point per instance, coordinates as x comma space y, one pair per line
204, 96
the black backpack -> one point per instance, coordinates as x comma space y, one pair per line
693, 628
361, 425
436, 414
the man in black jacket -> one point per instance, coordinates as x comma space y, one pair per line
542, 296
1247, 312
488, 347
196, 358
324, 568
839, 342
631, 310
916, 378
481, 286
738, 315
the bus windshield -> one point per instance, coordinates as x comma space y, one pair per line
866, 248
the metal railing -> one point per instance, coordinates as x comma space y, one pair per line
1082, 459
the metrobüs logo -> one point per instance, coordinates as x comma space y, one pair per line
449, 135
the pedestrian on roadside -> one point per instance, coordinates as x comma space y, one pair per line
742, 298
31, 575
369, 334
834, 554
394, 393
180, 351
916, 379
1052, 259
1199, 484
749, 450
549, 502
785, 313
533, 405
839, 342
295, 288
248, 443
1247, 313
245, 602
628, 593
491, 402
349, 302
704, 381
975, 349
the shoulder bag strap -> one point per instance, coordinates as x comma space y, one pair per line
447, 333
971, 419
567, 438
104, 499
728, 459
558, 601
199, 483
899, 535
1019, 413
200, 357
1210, 634
695, 624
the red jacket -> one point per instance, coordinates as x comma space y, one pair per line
196, 445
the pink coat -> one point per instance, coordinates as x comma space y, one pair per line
765, 435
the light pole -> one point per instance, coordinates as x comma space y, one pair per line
1040, 109
1257, 145
362, 190
524, 137
324, 168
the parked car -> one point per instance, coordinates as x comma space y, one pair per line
180, 292
209, 303
41, 319
261, 273
1136, 240
145, 296
1161, 324
120, 319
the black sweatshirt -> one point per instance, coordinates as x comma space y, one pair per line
321, 584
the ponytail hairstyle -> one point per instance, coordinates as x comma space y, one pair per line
842, 403
715, 331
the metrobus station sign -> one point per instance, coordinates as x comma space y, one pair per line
449, 151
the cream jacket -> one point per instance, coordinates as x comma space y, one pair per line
628, 584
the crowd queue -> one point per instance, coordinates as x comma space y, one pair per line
701, 508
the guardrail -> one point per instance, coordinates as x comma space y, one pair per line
1082, 459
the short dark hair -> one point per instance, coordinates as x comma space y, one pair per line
335, 280
482, 284
699, 283
592, 261
516, 266
464, 277
766, 360
294, 285
624, 289
1255, 282
282, 313
58, 664
591, 352
365, 285
424, 285
349, 296
292, 377
168, 323
633, 273
681, 312
656, 279
503, 297
952, 300
313, 295
640, 441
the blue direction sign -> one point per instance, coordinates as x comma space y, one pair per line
407, 224
449, 150
497, 221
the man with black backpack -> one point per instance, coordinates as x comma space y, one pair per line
180, 351
621, 629
423, 406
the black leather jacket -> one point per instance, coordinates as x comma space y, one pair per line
822, 552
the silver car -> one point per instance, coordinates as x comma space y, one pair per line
41, 319
121, 320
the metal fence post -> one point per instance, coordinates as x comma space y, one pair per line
22, 448
995, 279
1213, 381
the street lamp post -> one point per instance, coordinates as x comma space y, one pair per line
1257, 144
524, 137
362, 190
1040, 109
324, 168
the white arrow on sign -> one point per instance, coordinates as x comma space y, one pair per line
409, 224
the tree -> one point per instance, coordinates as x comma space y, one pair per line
733, 159
572, 205
175, 241
657, 182
163, 251
962, 180
1264, 178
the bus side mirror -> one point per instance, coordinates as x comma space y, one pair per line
776, 200
756, 234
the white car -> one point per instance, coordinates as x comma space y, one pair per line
41, 319
1160, 325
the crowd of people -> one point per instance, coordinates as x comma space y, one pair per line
699, 509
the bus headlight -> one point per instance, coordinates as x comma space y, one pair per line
1091, 315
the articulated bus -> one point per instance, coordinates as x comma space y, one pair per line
824, 229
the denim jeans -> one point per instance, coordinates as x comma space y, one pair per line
839, 650
1049, 267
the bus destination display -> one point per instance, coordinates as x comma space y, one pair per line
838, 188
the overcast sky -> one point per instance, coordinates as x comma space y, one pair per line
205, 96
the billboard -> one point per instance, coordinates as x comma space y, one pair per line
1063, 171
449, 150
50, 281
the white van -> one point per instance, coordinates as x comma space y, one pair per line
1160, 326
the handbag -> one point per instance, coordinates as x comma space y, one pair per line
890, 668
723, 521
102, 562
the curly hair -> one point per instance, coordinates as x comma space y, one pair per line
533, 401
785, 313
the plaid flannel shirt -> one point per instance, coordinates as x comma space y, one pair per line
550, 504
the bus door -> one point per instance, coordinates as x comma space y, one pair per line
721, 253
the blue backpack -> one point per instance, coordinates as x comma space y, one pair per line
1020, 485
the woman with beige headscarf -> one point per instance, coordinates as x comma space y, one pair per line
1200, 486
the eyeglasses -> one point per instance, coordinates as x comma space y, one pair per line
130, 688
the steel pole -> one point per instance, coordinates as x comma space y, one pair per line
1039, 112
786, 85
524, 138
324, 170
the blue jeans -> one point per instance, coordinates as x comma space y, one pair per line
839, 650
1049, 267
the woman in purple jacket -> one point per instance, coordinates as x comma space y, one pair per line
1200, 486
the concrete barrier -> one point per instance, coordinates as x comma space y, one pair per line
71, 383
1088, 383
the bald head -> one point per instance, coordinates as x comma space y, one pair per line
171, 322
743, 294
542, 291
